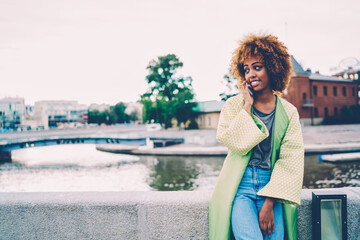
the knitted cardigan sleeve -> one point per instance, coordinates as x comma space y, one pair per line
238, 130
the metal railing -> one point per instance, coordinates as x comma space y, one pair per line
308, 103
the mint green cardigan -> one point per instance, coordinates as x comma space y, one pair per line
240, 132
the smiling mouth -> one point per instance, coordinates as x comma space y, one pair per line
254, 83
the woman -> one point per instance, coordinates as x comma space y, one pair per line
260, 183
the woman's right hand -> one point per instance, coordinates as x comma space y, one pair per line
249, 100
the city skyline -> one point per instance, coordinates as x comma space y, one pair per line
97, 52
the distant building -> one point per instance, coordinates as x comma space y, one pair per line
50, 113
99, 107
12, 112
352, 73
317, 96
208, 113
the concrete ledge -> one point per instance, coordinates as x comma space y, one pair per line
332, 148
216, 149
130, 215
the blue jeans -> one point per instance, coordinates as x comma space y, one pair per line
247, 205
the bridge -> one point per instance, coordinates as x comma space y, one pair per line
124, 136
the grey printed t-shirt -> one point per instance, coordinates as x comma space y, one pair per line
261, 154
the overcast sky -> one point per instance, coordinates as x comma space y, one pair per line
97, 51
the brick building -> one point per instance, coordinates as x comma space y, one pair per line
317, 96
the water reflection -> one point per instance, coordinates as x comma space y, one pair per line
169, 174
67, 168
83, 168
194, 173
330, 175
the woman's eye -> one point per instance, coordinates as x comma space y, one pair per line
257, 67
246, 70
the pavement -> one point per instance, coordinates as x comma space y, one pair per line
317, 139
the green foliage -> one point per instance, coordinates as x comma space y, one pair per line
349, 115
98, 117
133, 116
169, 96
193, 125
161, 77
116, 114
232, 86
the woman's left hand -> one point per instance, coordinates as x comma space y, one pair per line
266, 217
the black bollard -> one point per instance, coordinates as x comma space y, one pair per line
5, 157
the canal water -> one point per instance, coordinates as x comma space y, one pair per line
83, 168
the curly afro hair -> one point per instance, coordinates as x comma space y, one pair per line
272, 52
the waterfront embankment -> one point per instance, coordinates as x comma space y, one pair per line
317, 139
133, 215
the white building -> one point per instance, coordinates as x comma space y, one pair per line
12, 112
51, 113
99, 107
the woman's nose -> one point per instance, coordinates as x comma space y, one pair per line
252, 74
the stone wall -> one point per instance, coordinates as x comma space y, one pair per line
130, 215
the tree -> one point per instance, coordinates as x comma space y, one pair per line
98, 117
183, 107
133, 116
169, 95
117, 113
348, 115
232, 86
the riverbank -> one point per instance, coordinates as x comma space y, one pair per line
134, 215
214, 150
317, 139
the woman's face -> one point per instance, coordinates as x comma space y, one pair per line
256, 74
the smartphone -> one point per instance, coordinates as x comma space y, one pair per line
250, 89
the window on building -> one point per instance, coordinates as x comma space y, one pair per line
304, 96
326, 112
344, 91
200, 121
353, 92
335, 111
335, 91
209, 121
316, 113
325, 90
356, 76
315, 90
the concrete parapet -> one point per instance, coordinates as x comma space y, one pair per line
130, 215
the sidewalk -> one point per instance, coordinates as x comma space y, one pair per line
317, 139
